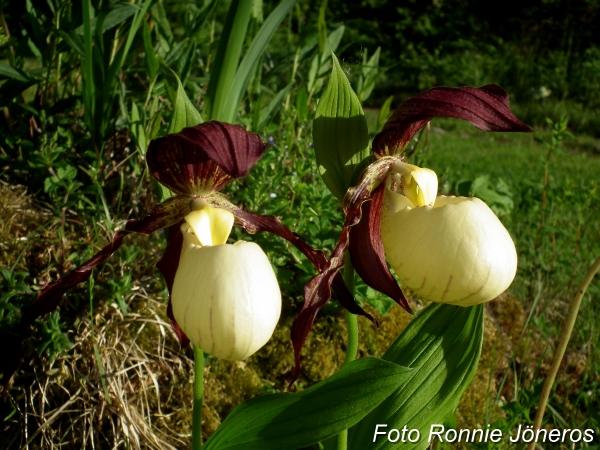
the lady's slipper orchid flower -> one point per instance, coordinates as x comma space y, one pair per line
447, 249
195, 164
225, 297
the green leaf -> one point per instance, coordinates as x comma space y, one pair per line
331, 45
160, 17
151, 60
312, 73
302, 105
87, 74
443, 345
7, 71
256, 49
184, 112
11, 89
117, 15
340, 133
226, 61
137, 129
384, 113
322, 27
370, 71
273, 108
74, 41
304, 418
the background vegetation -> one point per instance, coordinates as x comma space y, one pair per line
82, 98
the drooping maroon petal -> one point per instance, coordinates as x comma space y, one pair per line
203, 158
317, 291
368, 255
162, 216
168, 265
254, 223
487, 108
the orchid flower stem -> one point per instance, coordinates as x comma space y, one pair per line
198, 392
562, 346
352, 344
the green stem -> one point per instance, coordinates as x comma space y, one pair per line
562, 346
351, 319
352, 344
198, 391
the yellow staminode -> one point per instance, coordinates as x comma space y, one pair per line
210, 225
418, 183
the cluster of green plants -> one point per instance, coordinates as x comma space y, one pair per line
87, 85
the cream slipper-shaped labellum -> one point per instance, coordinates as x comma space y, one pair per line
225, 297
455, 251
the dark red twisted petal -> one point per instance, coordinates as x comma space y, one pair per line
368, 255
161, 216
168, 265
253, 223
204, 158
317, 291
487, 108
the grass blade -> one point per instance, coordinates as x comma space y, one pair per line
273, 108
226, 61
256, 49
88, 71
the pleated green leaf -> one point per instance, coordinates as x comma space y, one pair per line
340, 133
290, 421
185, 113
442, 344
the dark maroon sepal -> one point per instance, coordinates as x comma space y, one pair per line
317, 291
487, 108
368, 255
162, 216
168, 265
203, 158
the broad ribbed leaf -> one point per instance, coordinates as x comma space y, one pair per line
340, 133
368, 255
487, 108
184, 112
204, 158
443, 345
290, 421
